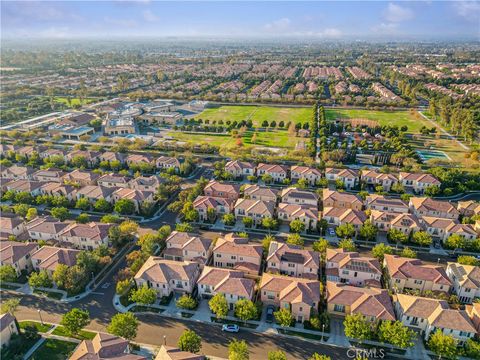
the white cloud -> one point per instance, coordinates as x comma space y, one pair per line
396, 13
150, 16
278, 25
469, 10
385, 28
331, 33
56, 33
129, 23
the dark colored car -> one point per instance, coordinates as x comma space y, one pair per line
270, 310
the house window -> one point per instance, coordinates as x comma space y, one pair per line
419, 282
339, 308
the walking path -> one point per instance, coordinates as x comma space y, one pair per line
450, 136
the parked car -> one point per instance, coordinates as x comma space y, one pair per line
270, 310
230, 328
331, 232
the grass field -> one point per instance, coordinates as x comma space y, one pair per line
53, 349
256, 113
75, 101
40, 328
82, 335
398, 118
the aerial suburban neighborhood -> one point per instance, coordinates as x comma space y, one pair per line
231, 180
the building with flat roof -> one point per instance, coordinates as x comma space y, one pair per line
119, 126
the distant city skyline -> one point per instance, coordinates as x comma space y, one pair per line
240, 19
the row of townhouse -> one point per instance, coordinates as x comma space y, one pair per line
354, 286
92, 158
416, 182
79, 184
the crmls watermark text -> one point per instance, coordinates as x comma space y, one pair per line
372, 353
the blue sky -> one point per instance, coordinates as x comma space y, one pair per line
309, 20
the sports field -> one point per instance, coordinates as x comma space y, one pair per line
256, 113
398, 118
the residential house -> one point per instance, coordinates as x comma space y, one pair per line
167, 162
256, 192
103, 347
385, 221
86, 236
466, 231
146, 183
231, 283
465, 280
234, 252
311, 175
59, 189
339, 216
16, 172
136, 196
418, 182
373, 303
45, 228
300, 296
110, 156
221, 206
81, 177
49, 153
8, 327
437, 227
473, 312
292, 260
168, 276
381, 203
240, 169
348, 267
305, 213
92, 158
11, 224
49, 175
139, 158
223, 190
47, 258
278, 172
412, 274
293, 195
430, 315
255, 209
349, 177
341, 200
17, 254
374, 178
173, 353
468, 208
113, 180
93, 193
423, 206
182, 246
31, 186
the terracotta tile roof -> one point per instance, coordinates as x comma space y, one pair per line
377, 175
293, 192
78, 175
353, 261
354, 217
428, 204
96, 191
46, 225
259, 207
231, 244
380, 200
259, 191
419, 177
406, 220
345, 173
159, 270
468, 276
296, 210
340, 196
370, 302
305, 170
227, 281
132, 194
94, 231
112, 156
469, 205
168, 160
186, 241
172, 353
451, 319
8, 222
113, 178
292, 290
24, 185
406, 268
216, 186
282, 252
272, 168
16, 171
238, 165
153, 180
12, 251
136, 158
53, 173
212, 202
417, 306
462, 229
104, 346
439, 223
50, 257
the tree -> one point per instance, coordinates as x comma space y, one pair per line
297, 226
83, 204
357, 327
295, 239
190, 341
347, 245
238, 350
368, 231
397, 236
269, 223
102, 205
245, 310
380, 250
123, 286
266, 242
229, 219
31, 214
432, 190
111, 219
60, 275
83, 218
247, 221
317, 356
321, 246
211, 214
21, 209
144, 295
283, 317
345, 231
472, 349
219, 305
124, 207
164, 232
395, 333
468, 260
184, 227
277, 355
408, 253
302, 183
267, 178
443, 345
422, 238
75, 320
9, 306
455, 242
186, 302
8, 273
40, 279
124, 325
60, 213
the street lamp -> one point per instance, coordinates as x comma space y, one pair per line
165, 340
323, 330
40, 315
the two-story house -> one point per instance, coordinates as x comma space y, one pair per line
181, 246
292, 260
234, 252
465, 280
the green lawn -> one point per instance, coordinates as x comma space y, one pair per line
256, 113
51, 294
41, 328
53, 349
75, 101
83, 334
398, 118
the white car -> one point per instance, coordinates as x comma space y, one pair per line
230, 328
